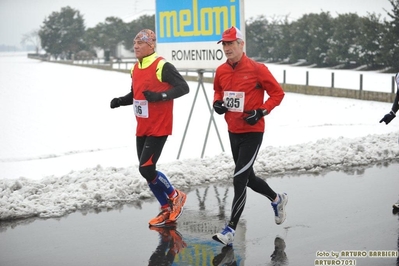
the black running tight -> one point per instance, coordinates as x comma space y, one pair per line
149, 150
245, 148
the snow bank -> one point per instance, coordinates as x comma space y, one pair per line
109, 187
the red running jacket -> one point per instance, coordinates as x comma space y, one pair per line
242, 87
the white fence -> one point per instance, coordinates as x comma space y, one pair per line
299, 75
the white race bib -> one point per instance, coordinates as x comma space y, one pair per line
140, 108
234, 100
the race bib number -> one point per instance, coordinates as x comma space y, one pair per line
234, 101
141, 108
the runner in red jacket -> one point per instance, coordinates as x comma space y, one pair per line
240, 85
155, 83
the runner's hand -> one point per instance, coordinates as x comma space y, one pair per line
254, 116
388, 117
116, 102
153, 96
219, 107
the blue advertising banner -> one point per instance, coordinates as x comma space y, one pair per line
195, 20
188, 30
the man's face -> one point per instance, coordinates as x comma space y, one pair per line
233, 50
142, 49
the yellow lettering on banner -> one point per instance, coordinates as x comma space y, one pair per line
200, 26
206, 12
167, 16
195, 10
225, 15
233, 11
185, 20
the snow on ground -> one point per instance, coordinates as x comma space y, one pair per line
63, 149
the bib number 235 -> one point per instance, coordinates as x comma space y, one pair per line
234, 101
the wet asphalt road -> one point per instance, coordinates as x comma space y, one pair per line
336, 213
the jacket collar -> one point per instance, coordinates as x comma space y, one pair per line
148, 60
234, 65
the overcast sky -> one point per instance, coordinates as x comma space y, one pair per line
18, 17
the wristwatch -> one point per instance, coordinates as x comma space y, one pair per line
264, 112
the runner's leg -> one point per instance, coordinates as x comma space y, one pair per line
244, 148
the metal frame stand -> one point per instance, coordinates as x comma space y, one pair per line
211, 119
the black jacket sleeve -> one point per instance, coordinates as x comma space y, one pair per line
395, 105
173, 77
127, 99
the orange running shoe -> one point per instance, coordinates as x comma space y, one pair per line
177, 205
161, 218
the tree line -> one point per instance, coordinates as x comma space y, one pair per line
64, 34
347, 40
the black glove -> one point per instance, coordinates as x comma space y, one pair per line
254, 116
153, 96
219, 107
388, 117
116, 102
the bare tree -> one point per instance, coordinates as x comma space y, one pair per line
32, 38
